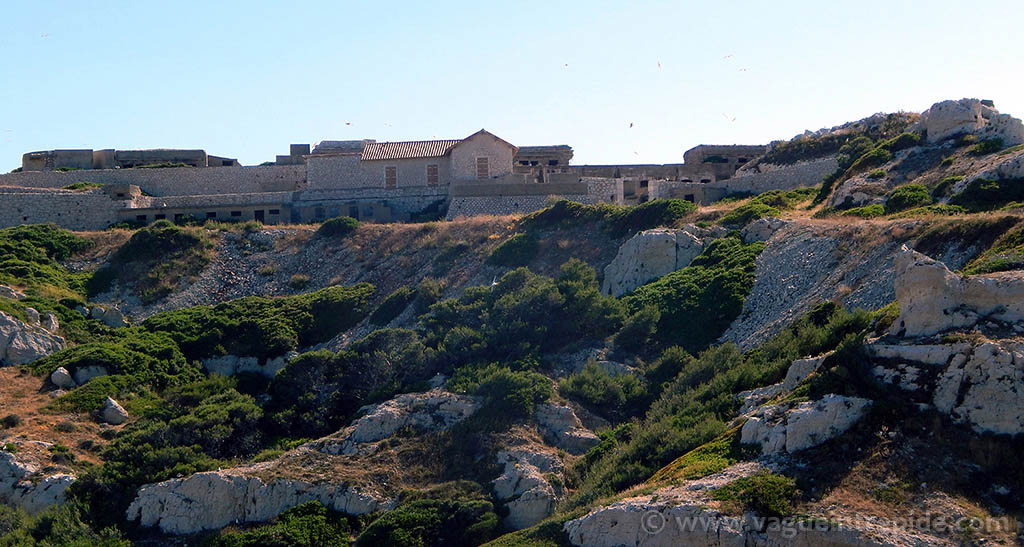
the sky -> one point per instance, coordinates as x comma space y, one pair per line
621, 82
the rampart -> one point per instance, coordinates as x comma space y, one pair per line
73, 210
787, 177
505, 199
174, 181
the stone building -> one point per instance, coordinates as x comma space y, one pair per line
85, 159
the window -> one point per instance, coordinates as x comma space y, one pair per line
432, 175
334, 212
742, 160
178, 217
390, 176
211, 215
482, 170
275, 211
159, 217
320, 213
353, 212
236, 213
120, 195
552, 163
140, 218
367, 211
524, 162
690, 198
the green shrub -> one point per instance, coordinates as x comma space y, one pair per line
876, 174
298, 281
706, 459
907, 197
874, 158
1007, 253
428, 292
618, 220
517, 250
307, 524
747, 213
931, 210
842, 142
393, 305
868, 211
902, 141
985, 194
943, 188
638, 329
436, 518
616, 397
83, 186
698, 302
508, 395
11, 420
987, 146
337, 227
29, 256
767, 493
947, 161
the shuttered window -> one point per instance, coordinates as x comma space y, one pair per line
482, 169
433, 179
390, 177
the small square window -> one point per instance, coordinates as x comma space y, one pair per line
552, 163
211, 214
236, 213
178, 217
159, 217
140, 218
275, 211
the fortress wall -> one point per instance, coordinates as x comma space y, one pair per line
808, 173
527, 198
174, 181
72, 210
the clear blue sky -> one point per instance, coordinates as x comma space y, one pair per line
245, 79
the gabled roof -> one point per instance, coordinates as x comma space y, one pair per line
495, 137
407, 149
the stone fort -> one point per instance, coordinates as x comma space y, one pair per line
365, 179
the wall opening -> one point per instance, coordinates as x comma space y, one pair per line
258, 214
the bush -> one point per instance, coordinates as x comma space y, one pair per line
943, 188
638, 329
618, 220
985, 194
298, 281
83, 186
615, 397
1007, 253
29, 256
907, 197
874, 158
393, 305
868, 211
767, 493
876, 174
986, 146
307, 524
901, 142
508, 395
337, 227
747, 213
517, 250
11, 420
698, 302
458, 515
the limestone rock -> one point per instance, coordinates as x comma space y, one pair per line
949, 118
213, 500
113, 413
985, 388
82, 310
797, 372
62, 379
428, 411
790, 428
563, 428
21, 343
761, 229
33, 316
111, 317
23, 485
929, 354
50, 322
523, 486
84, 374
651, 254
7, 292
933, 299
230, 365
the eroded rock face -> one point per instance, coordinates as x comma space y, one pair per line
984, 388
761, 229
948, 118
561, 427
22, 485
427, 411
524, 487
933, 299
213, 500
797, 372
7, 292
21, 343
651, 254
789, 427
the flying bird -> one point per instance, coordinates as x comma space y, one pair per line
631, 125
348, 123
729, 56
732, 119
659, 64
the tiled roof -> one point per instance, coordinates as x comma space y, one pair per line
407, 149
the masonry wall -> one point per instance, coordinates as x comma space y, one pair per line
401, 202
73, 210
464, 155
782, 178
174, 181
349, 172
470, 200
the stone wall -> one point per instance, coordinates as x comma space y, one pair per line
787, 177
174, 181
74, 210
526, 198
481, 145
348, 172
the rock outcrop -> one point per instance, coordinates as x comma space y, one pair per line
230, 365
797, 372
62, 379
111, 317
761, 229
23, 484
7, 292
949, 118
21, 343
933, 299
562, 428
213, 500
84, 374
113, 413
524, 486
651, 254
791, 427
50, 322
427, 411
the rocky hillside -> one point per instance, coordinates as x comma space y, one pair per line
838, 365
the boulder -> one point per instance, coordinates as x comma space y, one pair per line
651, 254
230, 365
84, 374
561, 427
50, 322
62, 379
111, 317
524, 487
24, 485
949, 118
984, 388
7, 292
113, 413
82, 310
761, 229
213, 500
789, 427
21, 343
797, 372
933, 299
33, 316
